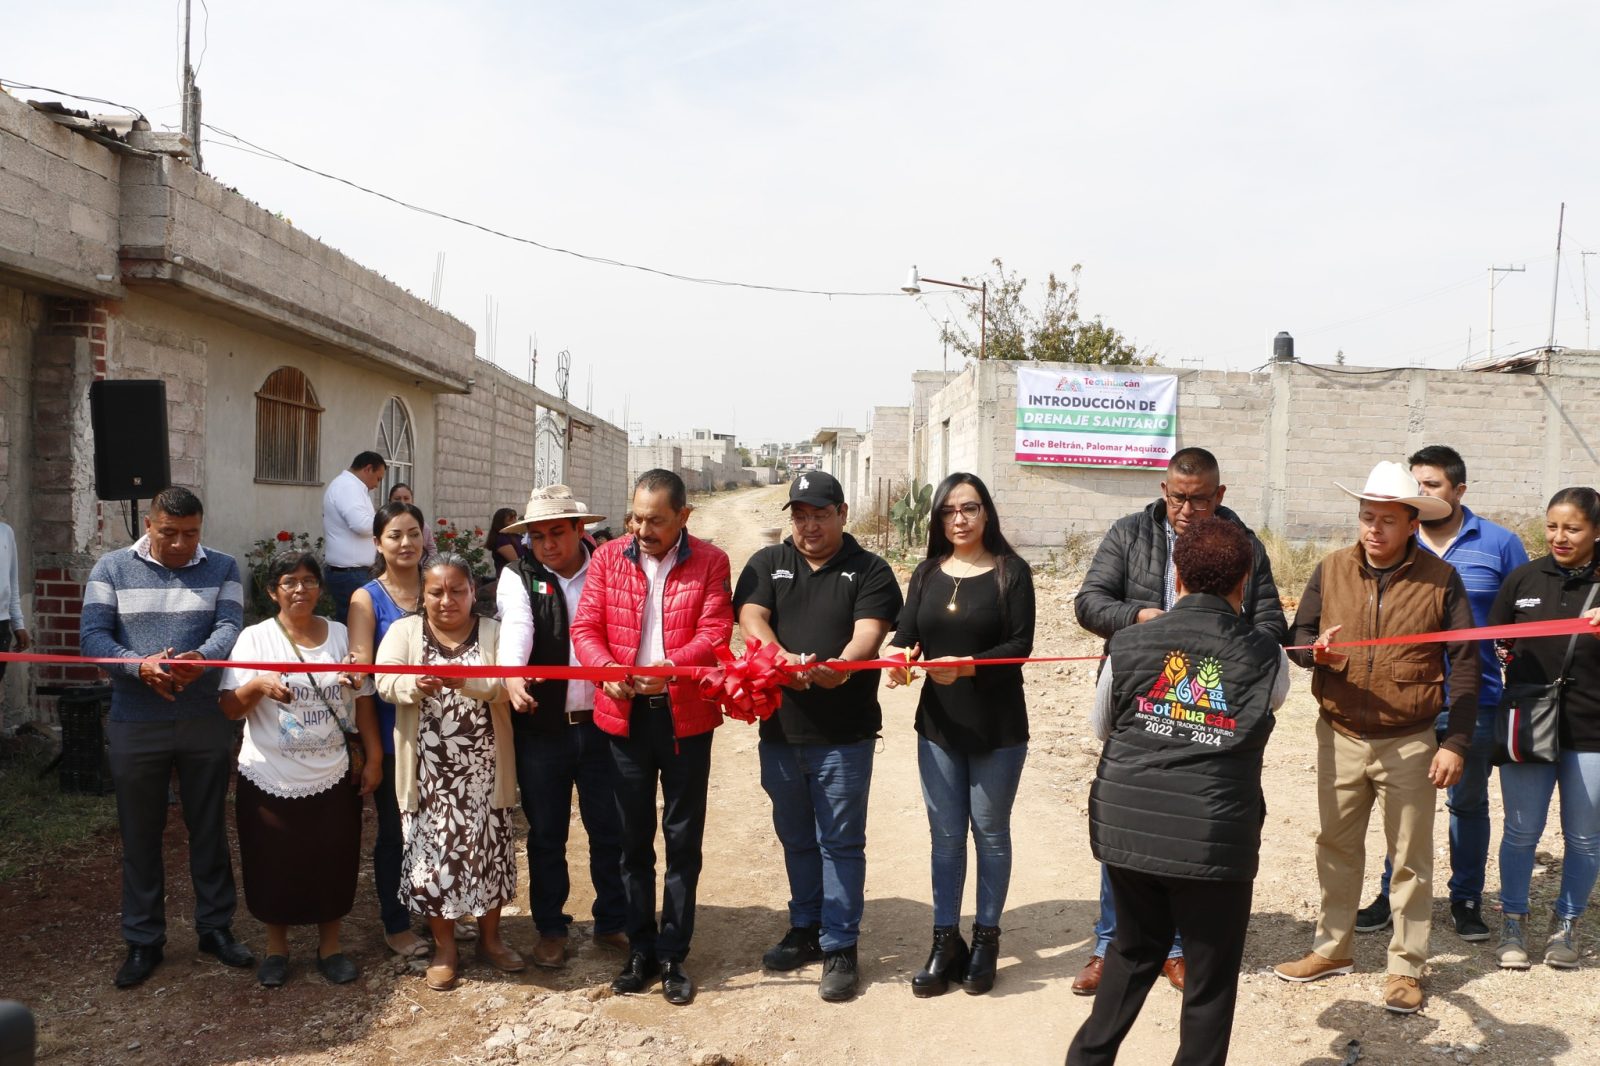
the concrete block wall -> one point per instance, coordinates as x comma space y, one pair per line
656, 456
59, 199
181, 225
1285, 437
486, 451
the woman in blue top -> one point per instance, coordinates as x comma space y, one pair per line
394, 592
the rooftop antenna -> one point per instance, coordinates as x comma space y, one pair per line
1494, 281
1583, 259
491, 328
437, 292
1555, 290
190, 98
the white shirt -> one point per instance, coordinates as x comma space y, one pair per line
516, 626
295, 749
10, 582
347, 522
651, 646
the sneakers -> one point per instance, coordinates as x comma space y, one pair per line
839, 976
1512, 952
1402, 994
1375, 916
798, 947
1561, 950
1313, 968
1468, 917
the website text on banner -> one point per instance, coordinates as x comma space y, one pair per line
1096, 418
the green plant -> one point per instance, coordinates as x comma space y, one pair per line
910, 514
259, 559
467, 543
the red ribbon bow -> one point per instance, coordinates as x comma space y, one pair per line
746, 687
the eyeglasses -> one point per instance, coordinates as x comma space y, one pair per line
1199, 503
969, 511
815, 518
295, 585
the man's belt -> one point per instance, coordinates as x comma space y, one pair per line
660, 701
579, 716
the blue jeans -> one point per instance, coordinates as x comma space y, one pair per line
976, 789
341, 585
1470, 829
1526, 789
819, 810
549, 767
1105, 926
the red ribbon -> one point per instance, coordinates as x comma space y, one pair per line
746, 687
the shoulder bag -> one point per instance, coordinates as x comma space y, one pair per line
1527, 724
352, 739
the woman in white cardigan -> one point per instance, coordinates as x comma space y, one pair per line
455, 770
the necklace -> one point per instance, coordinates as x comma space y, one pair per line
972, 568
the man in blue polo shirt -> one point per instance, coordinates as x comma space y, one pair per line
821, 597
1483, 553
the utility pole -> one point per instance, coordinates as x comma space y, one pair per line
1583, 258
1494, 281
191, 94
1555, 288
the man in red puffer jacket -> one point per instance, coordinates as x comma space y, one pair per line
659, 597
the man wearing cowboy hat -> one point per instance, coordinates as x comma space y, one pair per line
1375, 737
558, 745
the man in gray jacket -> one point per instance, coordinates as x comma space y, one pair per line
1132, 580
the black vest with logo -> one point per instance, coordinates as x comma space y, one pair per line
551, 644
1178, 790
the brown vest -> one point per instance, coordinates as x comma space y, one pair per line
1396, 689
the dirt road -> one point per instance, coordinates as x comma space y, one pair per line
62, 931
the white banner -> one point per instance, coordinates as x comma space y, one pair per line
1096, 418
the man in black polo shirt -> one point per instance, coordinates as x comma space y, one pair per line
820, 597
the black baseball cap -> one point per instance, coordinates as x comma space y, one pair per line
815, 488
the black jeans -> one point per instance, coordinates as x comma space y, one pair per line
143, 755
549, 766
1213, 917
387, 851
683, 766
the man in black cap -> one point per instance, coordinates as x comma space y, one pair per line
820, 597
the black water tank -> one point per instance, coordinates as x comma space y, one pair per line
1283, 348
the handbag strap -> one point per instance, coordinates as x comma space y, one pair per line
337, 717
1572, 645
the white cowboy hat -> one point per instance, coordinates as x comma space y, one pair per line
1390, 482
550, 502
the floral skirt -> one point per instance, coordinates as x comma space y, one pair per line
460, 852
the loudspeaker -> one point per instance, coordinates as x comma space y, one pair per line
130, 439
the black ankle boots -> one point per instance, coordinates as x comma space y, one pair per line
947, 962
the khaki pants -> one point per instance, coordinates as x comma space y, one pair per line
1351, 775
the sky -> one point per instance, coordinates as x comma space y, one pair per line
1346, 172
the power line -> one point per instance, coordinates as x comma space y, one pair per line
9, 84
599, 259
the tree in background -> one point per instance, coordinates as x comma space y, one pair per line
1054, 332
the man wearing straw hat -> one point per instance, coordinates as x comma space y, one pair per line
557, 743
1375, 737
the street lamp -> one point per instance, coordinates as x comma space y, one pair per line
914, 285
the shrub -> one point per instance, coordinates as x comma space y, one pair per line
467, 543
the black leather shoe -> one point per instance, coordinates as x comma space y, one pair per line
636, 976
229, 952
946, 962
798, 947
338, 968
274, 971
676, 988
839, 977
141, 962
979, 977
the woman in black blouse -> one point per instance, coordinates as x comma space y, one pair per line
972, 598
